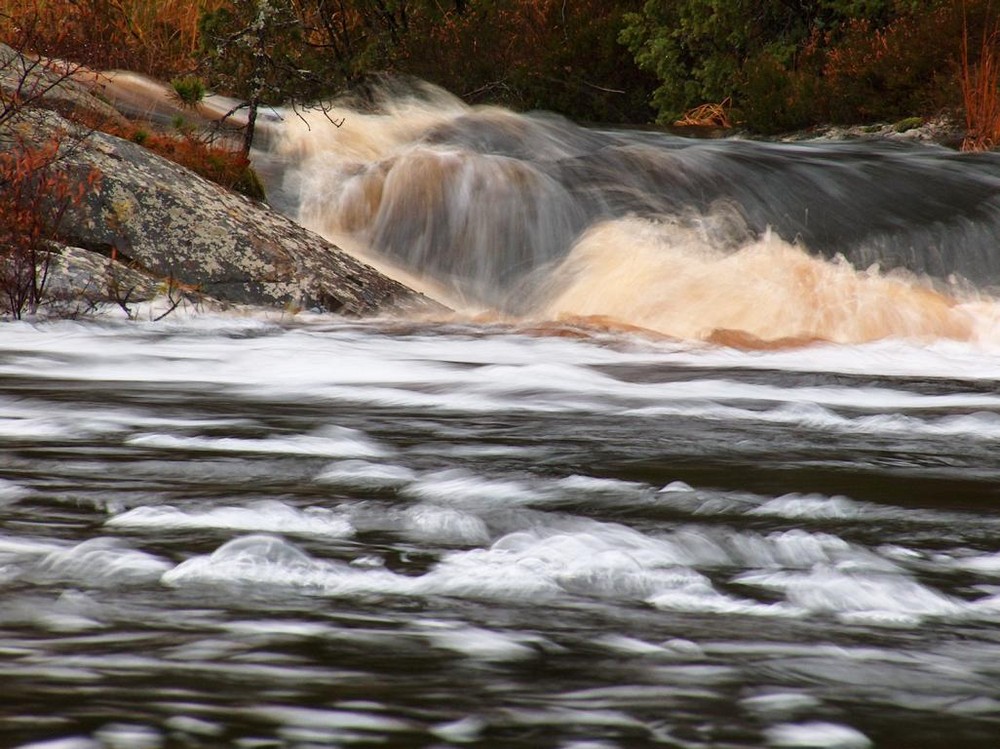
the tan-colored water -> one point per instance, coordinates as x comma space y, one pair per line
669, 279
534, 219
473, 216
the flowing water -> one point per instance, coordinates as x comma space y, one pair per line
707, 458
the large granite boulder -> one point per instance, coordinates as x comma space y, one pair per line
148, 218
162, 220
51, 84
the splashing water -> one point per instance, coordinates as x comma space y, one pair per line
767, 289
532, 216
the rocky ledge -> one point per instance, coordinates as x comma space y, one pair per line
147, 224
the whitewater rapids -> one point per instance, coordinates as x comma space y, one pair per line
706, 458
533, 217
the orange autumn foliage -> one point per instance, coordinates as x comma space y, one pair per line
35, 194
155, 37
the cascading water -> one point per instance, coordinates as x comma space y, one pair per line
247, 529
534, 216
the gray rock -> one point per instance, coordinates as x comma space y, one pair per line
167, 223
50, 84
80, 282
150, 223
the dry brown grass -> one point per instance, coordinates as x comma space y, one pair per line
707, 115
981, 91
155, 37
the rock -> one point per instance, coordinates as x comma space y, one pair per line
50, 84
942, 131
80, 281
149, 224
168, 224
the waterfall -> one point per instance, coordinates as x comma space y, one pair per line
532, 216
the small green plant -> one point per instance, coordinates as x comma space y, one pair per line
908, 123
182, 126
189, 90
140, 136
250, 184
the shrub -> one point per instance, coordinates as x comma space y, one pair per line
787, 65
221, 164
189, 90
981, 91
698, 49
35, 192
774, 99
903, 68
34, 197
218, 162
530, 54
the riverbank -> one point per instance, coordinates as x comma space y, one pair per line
944, 130
97, 220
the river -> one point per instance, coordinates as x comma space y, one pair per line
685, 470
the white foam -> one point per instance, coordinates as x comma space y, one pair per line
583, 558
982, 564
100, 562
278, 627
338, 442
578, 483
186, 724
261, 559
67, 742
816, 735
871, 598
501, 373
629, 646
478, 643
10, 492
677, 486
462, 731
129, 736
329, 719
363, 474
256, 558
35, 422
608, 561
776, 704
888, 358
444, 525
461, 488
978, 426
265, 515
711, 602
810, 507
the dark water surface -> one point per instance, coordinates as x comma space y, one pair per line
224, 532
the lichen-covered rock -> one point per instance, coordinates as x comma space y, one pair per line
170, 224
51, 84
79, 282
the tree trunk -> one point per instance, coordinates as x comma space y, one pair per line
248, 131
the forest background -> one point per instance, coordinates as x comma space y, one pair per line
768, 66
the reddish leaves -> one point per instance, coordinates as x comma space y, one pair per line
35, 194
